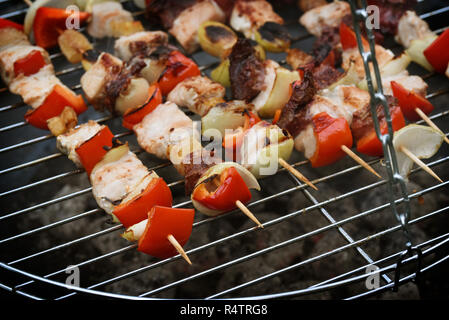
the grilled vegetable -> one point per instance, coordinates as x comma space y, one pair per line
48, 22
162, 222
227, 115
409, 101
30, 64
5, 23
135, 95
424, 142
370, 145
73, 45
221, 73
53, 105
437, 53
216, 38
152, 191
263, 145
134, 116
233, 141
394, 67
221, 186
273, 37
31, 12
330, 134
62, 123
179, 67
280, 94
416, 51
91, 151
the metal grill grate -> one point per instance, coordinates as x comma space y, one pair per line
315, 244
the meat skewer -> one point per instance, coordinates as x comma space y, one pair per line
28, 72
123, 186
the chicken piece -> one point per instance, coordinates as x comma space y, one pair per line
411, 27
318, 19
113, 181
306, 5
10, 37
185, 26
296, 58
383, 56
13, 53
35, 88
127, 46
93, 81
163, 128
103, 14
69, 141
194, 92
248, 16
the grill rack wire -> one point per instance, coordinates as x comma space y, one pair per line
24, 279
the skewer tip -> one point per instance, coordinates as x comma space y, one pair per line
179, 248
248, 213
418, 161
296, 173
360, 161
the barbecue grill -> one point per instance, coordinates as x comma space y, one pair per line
332, 243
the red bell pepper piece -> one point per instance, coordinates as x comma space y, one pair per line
277, 116
5, 23
133, 117
330, 134
370, 144
30, 64
231, 187
50, 22
348, 38
437, 53
409, 101
157, 193
179, 67
162, 222
53, 105
234, 140
91, 151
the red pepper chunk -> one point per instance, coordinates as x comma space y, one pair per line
370, 144
5, 23
330, 134
162, 222
231, 187
179, 67
30, 64
157, 193
49, 22
409, 101
53, 105
348, 38
92, 151
437, 53
234, 140
135, 116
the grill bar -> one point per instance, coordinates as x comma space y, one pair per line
316, 205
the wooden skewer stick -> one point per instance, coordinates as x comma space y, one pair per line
248, 213
418, 161
360, 161
296, 173
28, 2
431, 123
178, 248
